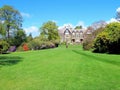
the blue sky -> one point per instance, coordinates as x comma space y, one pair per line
36, 12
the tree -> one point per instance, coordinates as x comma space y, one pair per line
11, 17
19, 37
29, 38
109, 40
2, 30
50, 31
98, 24
78, 27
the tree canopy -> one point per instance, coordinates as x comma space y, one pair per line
109, 40
11, 17
50, 30
78, 27
2, 30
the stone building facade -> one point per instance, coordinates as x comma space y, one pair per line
71, 35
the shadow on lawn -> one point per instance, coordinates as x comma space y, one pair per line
9, 60
98, 58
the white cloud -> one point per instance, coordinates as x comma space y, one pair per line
54, 21
32, 29
2, 22
67, 24
112, 20
81, 23
118, 10
25, 14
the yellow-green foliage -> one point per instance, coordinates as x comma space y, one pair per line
109, 40
3, 46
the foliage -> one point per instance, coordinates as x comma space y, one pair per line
4, 46
98, 31
29, 38
88, 43
98, 24
38, 44
48, 38
89, 39
78, 27
92, 32
20, 48
50, 31
35, 44
12, 49
11, 17
2, 30
101, 43
109, 40
18, 38
25, 47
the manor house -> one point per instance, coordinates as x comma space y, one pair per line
70, 35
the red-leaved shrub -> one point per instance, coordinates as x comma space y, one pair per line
25, 47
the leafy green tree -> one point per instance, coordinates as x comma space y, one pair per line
101, 43
98, 24
90, 36
11, 17
109, 40
78, 27
19, 37
50, 31
2, 30
29, 38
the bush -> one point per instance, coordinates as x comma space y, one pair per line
38, 44
25, 47
109, 40
20, 48
4, 46
35, 44
47, 45
12, 49
87, 45
89, 40
56, 42
101, 43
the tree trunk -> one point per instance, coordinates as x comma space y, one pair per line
8, 31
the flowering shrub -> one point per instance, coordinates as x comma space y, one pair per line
25, 47
12, 49
38, 45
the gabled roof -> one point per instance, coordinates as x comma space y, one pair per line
70, 30
67, 31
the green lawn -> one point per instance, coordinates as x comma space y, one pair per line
59, 69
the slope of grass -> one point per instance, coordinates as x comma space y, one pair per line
59, 69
